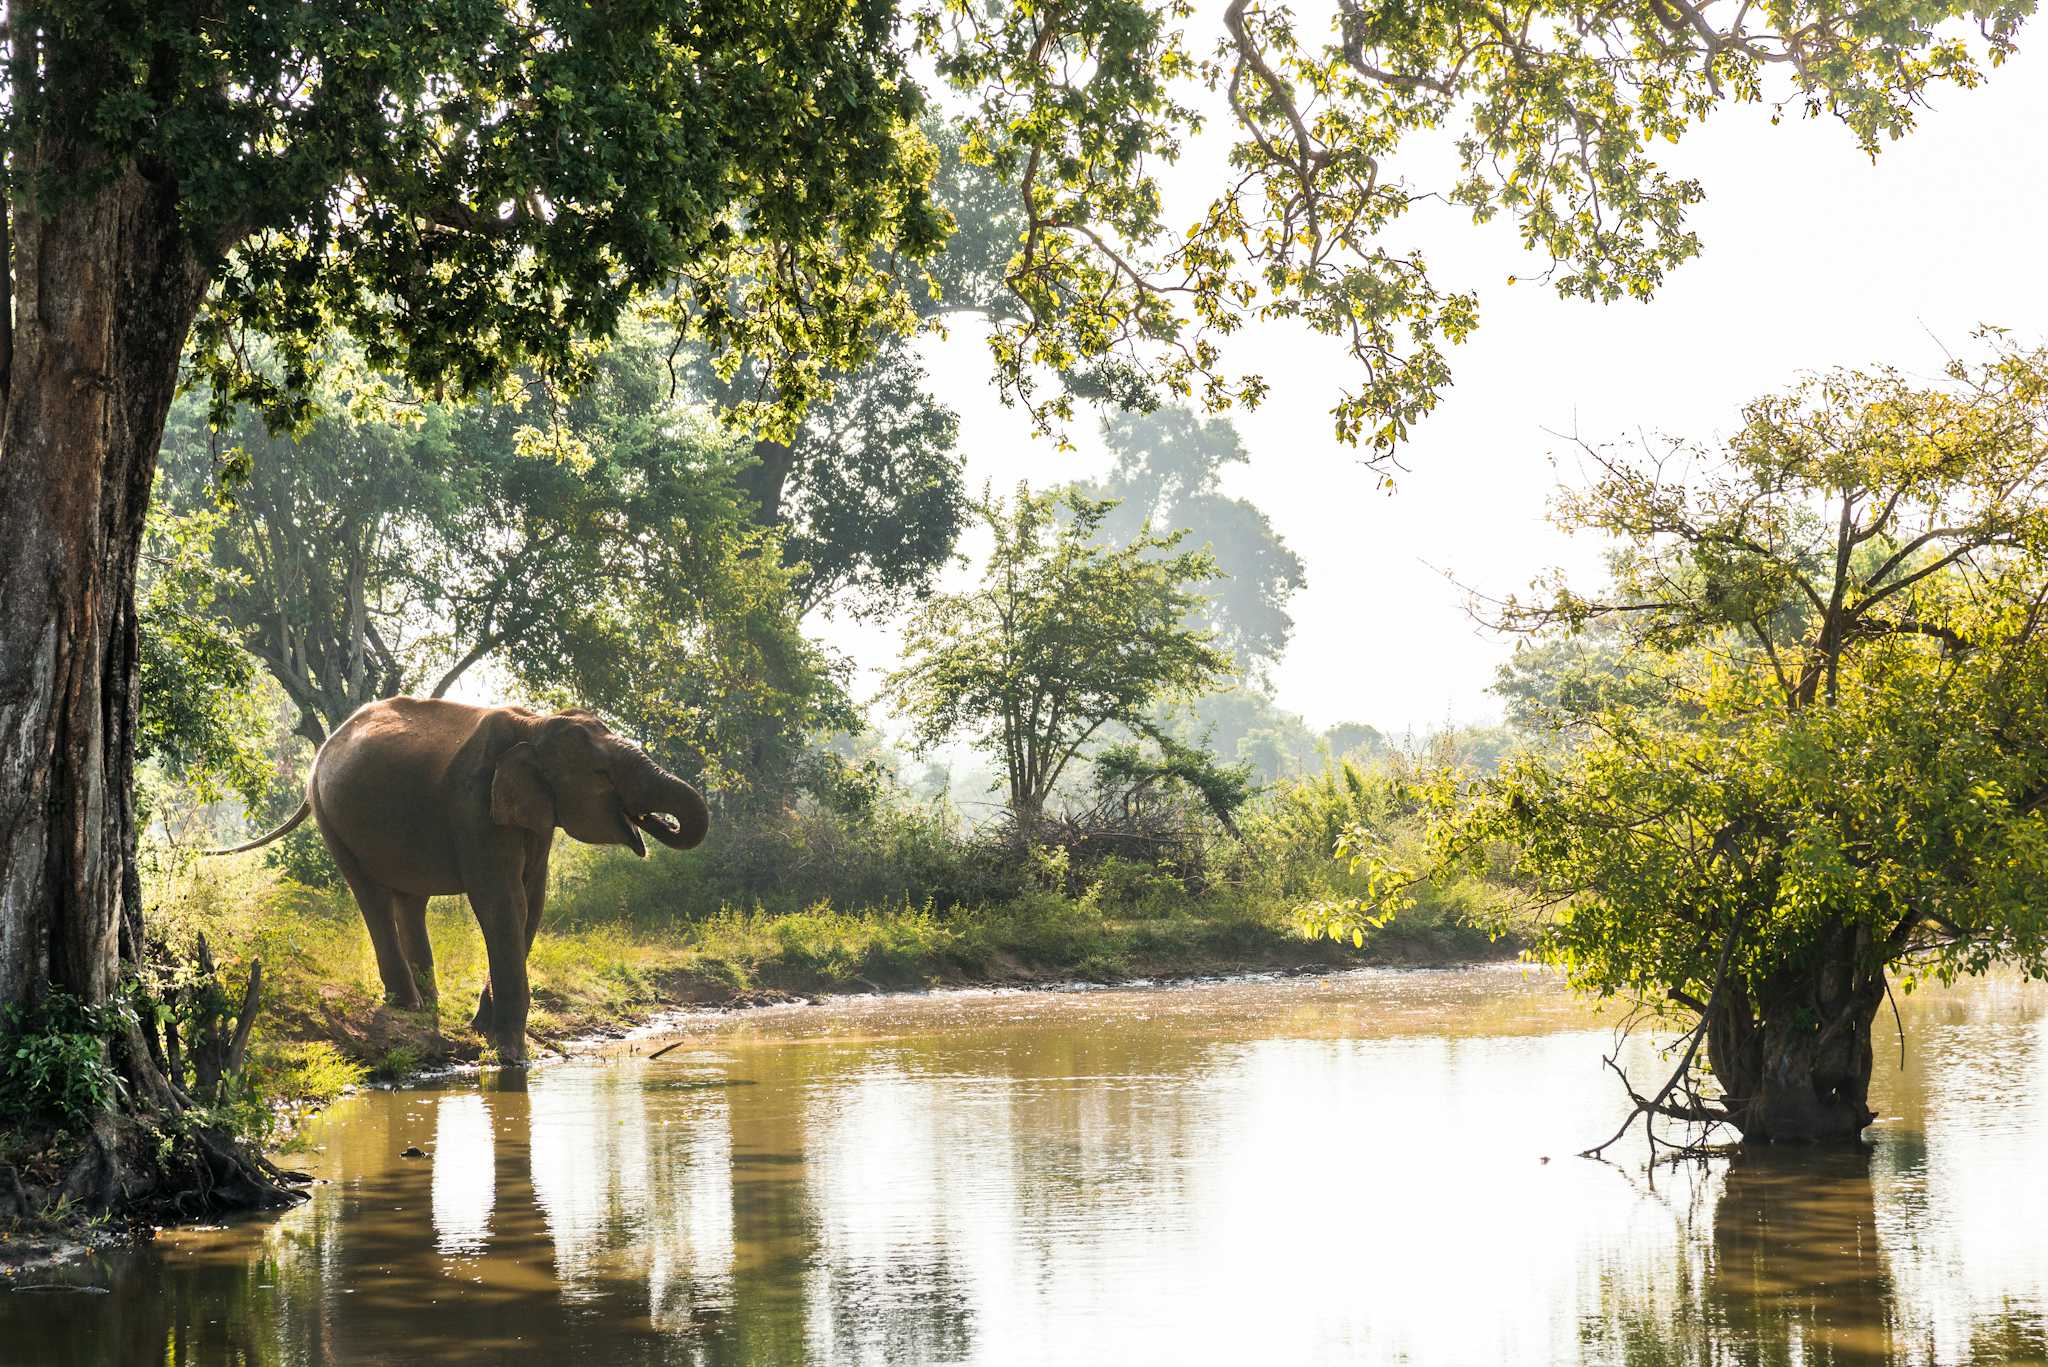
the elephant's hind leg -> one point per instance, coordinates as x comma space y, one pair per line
379, 907
410, 912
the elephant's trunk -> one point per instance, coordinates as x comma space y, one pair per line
667, 808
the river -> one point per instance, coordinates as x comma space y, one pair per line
1372, 1167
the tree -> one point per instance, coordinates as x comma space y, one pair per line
1553, 106
1063, 637
199, 708
1168, 466
1826, 764
610, 562
315, 549
462, 188
867, 495
1349, 739
1243, 725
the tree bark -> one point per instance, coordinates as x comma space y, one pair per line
1794, 1060
766, 481
105, 291
106, 285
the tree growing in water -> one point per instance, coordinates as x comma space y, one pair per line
1064, 637
1820, 760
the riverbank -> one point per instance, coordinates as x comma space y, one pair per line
602, 977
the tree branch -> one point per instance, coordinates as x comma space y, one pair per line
1653, 1106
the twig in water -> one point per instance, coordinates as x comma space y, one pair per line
1650, 1108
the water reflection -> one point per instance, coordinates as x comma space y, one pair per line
1371, 1169
464, 1183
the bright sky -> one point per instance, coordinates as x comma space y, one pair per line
1814, 257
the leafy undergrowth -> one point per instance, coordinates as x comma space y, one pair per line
324, 1025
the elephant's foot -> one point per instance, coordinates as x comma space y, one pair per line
484, 1018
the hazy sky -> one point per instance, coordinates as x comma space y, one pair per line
1814, 257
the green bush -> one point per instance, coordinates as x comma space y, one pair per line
55, 1056
1290, 844
304, 1073
302, 857
1124, 885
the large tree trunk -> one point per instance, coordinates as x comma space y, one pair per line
105, 291
1794, 1061
105, 287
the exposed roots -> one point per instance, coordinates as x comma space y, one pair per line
137, 1171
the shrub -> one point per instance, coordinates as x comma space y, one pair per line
793, 858
1121, 884
55, 1056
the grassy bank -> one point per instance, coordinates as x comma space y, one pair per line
894, 896
595, 970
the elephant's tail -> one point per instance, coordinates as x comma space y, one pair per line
305, 810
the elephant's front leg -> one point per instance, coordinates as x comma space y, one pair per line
501, 912
536, 885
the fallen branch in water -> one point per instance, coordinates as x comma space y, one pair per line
1648, 1108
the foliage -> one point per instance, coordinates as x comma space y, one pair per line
391, 550
1245, 726
304, 1074
1063, 637
890, 853
199, 716
1293, 836
1555, 680
866, 495
311, 546
1167, 474
464, 188
1823, 758
1552, 106
1132, 773
55, 1050
1846, 634
1355, 738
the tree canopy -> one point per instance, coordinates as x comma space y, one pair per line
462, 188
1552, 107
393, 548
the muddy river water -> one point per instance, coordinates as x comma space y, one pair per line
1373, 1167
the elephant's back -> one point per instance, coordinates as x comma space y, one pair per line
389, 786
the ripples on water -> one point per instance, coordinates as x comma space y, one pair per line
1346, 1169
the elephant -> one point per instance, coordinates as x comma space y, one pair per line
423, 797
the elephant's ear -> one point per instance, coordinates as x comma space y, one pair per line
520, 796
